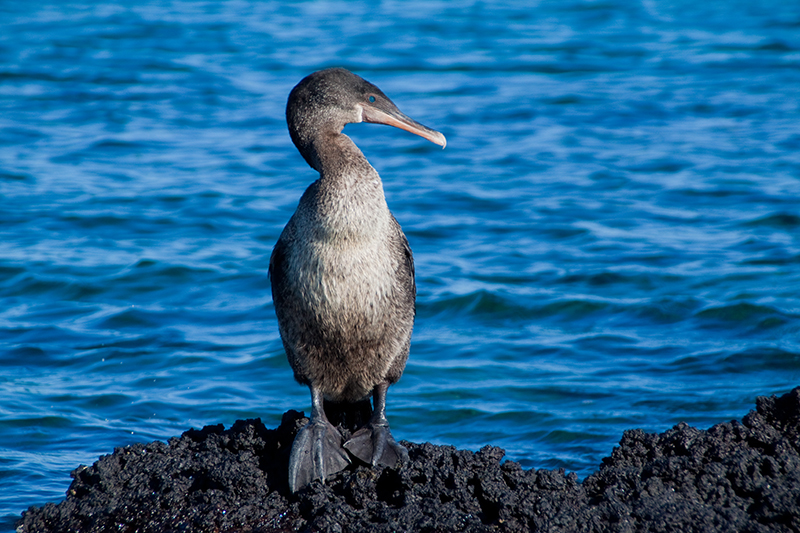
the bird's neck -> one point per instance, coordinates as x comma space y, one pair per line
348, 200
341, 164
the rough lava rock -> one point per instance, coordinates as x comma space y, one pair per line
736, 476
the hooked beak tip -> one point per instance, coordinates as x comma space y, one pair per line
435, 137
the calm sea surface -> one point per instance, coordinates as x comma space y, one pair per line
610, 240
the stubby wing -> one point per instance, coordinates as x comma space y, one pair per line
406, 273
276, 273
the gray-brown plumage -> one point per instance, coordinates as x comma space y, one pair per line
343, 274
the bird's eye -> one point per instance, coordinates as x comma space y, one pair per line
372, 99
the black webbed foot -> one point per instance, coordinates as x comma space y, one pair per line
316, 454
317, 450
375, 445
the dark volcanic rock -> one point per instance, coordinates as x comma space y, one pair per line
733, 477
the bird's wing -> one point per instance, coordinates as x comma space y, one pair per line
406, 271
277, 272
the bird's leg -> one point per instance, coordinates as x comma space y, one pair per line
374, 443
317, 450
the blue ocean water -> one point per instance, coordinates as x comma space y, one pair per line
610, 240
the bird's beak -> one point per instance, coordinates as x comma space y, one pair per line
397, 119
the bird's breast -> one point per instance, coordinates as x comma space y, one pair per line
344, 276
